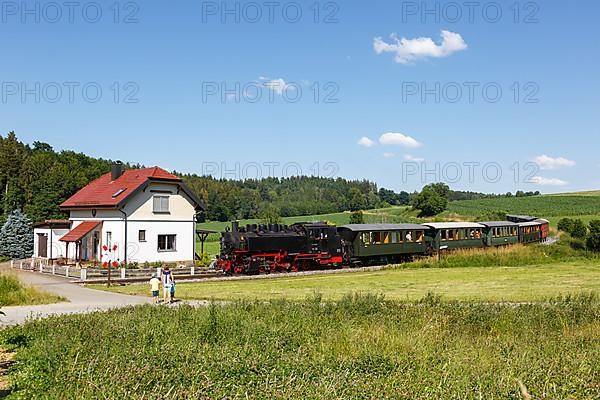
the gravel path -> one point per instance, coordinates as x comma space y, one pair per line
80, 299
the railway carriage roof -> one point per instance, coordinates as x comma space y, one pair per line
454, 225
522, 218
383, 227
532, 223
491, 224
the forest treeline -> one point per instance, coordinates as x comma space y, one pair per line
36, 179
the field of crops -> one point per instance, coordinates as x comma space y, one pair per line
358, 347
542, 206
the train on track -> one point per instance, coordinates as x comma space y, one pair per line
262, 248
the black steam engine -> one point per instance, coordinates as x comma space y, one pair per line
269, 248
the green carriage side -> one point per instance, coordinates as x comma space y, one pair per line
530, 232
456, 235
370, 243
500, 233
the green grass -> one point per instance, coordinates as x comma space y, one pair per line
13, 293
514, 284
514, 273
359, 347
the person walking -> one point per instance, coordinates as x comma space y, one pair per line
172, 288
167, 281
154, 287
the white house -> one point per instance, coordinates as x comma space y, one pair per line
46, 238
149, 214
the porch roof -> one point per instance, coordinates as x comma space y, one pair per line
80, 231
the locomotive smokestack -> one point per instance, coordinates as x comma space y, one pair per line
234, 226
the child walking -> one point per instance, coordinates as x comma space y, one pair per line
154, 287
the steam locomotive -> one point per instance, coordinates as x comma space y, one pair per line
268, 248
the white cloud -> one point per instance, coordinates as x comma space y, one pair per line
547, 162
365, 141
408, 157
399, 139
277, 85
540, 180
389, 155
408, 50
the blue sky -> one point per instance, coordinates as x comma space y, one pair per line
172, 64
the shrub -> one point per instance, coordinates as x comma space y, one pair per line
565, 225
204, 260
357, 217
577, 244
593, 241
578, 230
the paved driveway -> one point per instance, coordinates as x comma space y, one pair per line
80, 299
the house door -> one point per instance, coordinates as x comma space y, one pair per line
95, 245
42, 245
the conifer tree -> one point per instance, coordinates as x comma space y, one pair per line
16, 236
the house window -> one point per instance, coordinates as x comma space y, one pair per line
160, 204
142, 236
166, 242
109, 239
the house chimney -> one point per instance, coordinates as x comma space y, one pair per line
116, 170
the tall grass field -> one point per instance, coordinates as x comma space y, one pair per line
13, 293
360, 347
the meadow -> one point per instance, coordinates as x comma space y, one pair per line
13, 293
516, 274
362, 346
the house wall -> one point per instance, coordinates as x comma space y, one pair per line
58, 247
140, 216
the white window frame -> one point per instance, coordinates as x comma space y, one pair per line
166, 249
163, 204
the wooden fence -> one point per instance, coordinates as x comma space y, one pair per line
100, 275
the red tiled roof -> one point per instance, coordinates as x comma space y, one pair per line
105, 193
80, 231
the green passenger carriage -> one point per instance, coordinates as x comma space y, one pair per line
372, 243
500, 233
456, 235
530, 232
